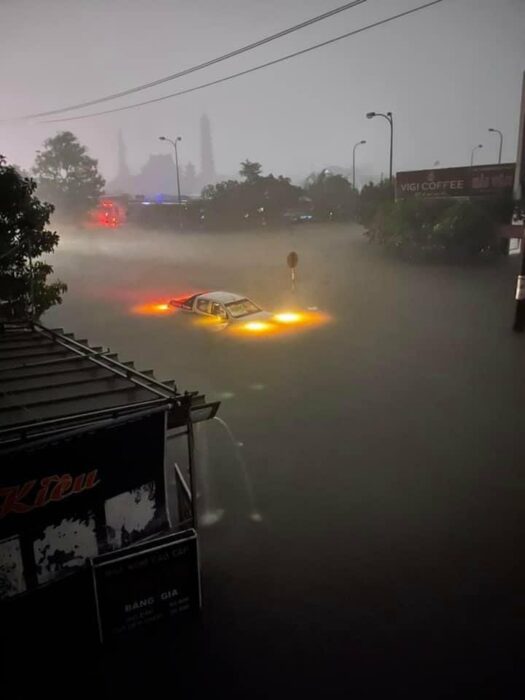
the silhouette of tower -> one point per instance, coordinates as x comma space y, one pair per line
123, 175
207, 174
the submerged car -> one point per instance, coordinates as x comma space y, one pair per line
226, 307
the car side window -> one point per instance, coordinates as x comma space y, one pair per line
218, 310
203, 305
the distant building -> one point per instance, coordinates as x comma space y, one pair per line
124, 179
159, 174
208, 176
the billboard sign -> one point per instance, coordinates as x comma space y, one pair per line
476, 181
147, 586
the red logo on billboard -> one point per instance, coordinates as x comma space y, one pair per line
36, 494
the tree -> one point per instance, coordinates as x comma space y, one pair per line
250, 171
67, 176
24, 290
256, 201
22, 171
372, 198
272, 196
333, 196
466, 229
453, 228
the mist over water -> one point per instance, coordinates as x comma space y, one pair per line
379, 446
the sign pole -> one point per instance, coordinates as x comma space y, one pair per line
291, 260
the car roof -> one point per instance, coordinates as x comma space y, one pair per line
223, 297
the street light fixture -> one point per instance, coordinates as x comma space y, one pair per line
390, 119
174, 144
480, 145
359, 143
497, 131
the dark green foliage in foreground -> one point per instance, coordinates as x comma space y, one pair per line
24, 290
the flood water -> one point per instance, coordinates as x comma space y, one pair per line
380, 448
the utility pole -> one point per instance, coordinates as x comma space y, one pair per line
174, 144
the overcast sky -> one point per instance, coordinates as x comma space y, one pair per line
447, 73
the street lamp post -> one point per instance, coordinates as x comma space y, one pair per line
359, 143
174, 144
480, 145
390, 119
497, 131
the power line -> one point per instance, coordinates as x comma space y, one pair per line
249, 70
200, 66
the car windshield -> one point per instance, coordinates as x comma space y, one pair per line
243, 307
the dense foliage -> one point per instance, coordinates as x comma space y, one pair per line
67, 176
454, 227
24, 237
255, 200
333, 197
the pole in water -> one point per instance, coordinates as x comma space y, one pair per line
292, 260
519, 318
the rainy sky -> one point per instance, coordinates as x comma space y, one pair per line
447, 73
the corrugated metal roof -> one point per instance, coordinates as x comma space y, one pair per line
48, 377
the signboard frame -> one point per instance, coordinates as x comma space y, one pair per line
164, 606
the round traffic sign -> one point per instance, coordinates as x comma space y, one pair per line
292, 259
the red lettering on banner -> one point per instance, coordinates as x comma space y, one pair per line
91, 480
14, 497
78, 484
41, 497
61, 489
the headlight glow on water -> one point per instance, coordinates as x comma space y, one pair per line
257, 326
152, 309
288, 317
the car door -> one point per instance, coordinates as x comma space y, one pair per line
219, 312
220, 315
203, 306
